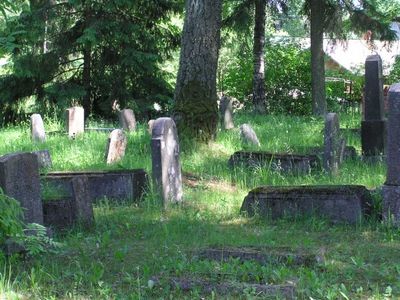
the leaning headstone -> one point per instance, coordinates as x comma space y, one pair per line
166, 166
19, 179
75, 121
43, 158
334, 144
37, 128
81, 203
127, 119
150, 126
226, 112
248, 136
373, 126
116, 146
391, 189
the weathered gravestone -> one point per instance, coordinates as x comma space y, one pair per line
391, 189
346, 203
75, 121
334, 144
43, 158
166, 166
116, 146
127, 119
37, 128
150, 126
226, 112
248, 136
373, 126
19, 179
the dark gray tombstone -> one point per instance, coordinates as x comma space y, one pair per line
127, 119
226, 113
166, 166
82, 204
37, 128
75, 121
248, 136
19, 179
334, 145
391, 189
116, 146
44, 159
373, 125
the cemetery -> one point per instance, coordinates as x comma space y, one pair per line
170, 151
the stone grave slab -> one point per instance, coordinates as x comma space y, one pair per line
334, 144
37, 128
248, 135
116, 146
341, 203
275, 161
127, 119
226, 112
44, 159
75, 121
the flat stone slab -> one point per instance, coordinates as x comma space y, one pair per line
206, 286
261, 255
338, 203
117, 185
275, 161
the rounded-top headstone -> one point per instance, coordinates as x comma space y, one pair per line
37, 128
116, 146
393, 143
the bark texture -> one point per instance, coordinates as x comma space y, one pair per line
259, 100
317, 58
195, 107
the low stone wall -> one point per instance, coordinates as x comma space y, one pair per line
344, 203
118, 185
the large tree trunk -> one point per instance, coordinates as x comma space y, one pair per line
258, 57
195, 107
317, 58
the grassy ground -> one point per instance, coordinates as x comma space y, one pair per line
133, 242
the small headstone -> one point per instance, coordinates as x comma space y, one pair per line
81, 203
248, 136
150, 125
127, 119
166, 166
226, 112
116, 146
75, 121
19, 179
391, 189
43, 158
37, 128
373, 126
334, 145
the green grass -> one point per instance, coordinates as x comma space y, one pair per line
130, 243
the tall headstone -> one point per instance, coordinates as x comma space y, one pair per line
37, 128
19, 179
116, 146
373, 125
75, 121
150, 126
226, 112
391, 189
166, 166
334, 144
248, 136
127, 119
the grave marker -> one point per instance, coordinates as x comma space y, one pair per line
75, 121
248, 136
127, 119
37, 128
116, 146
334, 145
226, 113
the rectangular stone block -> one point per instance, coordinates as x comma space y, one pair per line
347, 203
75, 121
391, 204
373, 137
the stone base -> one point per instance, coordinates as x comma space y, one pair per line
391, 204
343, 203
373, 137
275, 161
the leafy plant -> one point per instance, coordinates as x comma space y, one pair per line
10, 218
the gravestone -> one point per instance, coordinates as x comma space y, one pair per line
75, 121
43, 158
248, 136
373, 125
116, 146
19, 179
37, 128
150, 126
127, 119
226, 113
334, 144
391, 189
166, 166
82, 204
